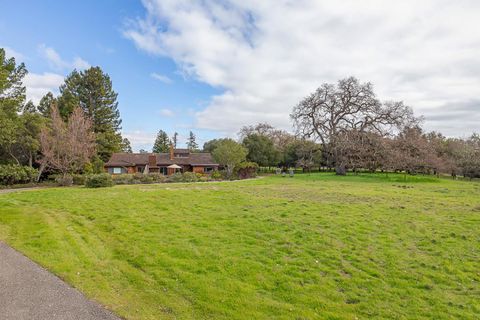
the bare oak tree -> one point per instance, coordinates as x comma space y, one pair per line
333, 110
67, 147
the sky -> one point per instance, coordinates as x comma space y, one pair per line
215, 66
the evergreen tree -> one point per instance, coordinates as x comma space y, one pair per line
175, 139
12, 98
92, 90
126, 146
192, 143
46, 103
162, 143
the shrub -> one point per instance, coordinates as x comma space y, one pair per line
157, 177
246, 170
123, 179
12, 174
98, 180
146, 179
190, 177
176, 177
64, 181
216, 175
79, 179
204, 178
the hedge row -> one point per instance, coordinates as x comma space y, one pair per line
14, 174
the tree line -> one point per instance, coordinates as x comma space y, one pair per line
344, 126
341, 126
77, 130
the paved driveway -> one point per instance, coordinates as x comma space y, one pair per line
27, 291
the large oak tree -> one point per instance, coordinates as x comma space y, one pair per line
335, 109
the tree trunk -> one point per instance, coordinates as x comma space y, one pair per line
340, 170
40, 170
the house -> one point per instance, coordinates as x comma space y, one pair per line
166, 163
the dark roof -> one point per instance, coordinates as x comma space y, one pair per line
139, 159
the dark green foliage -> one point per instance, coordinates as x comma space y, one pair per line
162, 142
98, 180
126, 146
13, 174
211, 145
175, 139
12, 90
192, 144
79, 179
46, 103
261, 150
92, 90
229, 153
216, 175
246, 170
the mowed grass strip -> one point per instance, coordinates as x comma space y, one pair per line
309, 247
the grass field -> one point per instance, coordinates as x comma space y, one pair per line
309, 247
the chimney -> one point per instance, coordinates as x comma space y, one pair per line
152, 160
171, 151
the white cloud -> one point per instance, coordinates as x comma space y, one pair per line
140, 139
80, 64
267, 55
11, 53
166, 112
161, 77
39, 84
57, 63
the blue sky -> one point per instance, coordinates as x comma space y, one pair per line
92, 31
214, 66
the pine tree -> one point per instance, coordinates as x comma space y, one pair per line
175, 139
162, 143
126, 146
46, 103
92, 90
192, 143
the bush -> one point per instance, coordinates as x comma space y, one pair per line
123, 179
64, 181
216, 175
12, 174
79, 179
246, 170
157, 177
204, 178
99, 180
190, 177
176, 177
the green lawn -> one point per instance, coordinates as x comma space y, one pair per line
312, 247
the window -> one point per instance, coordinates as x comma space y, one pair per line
163, 170
140, 169
117, 170
207, 169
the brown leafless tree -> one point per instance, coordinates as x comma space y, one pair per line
67, 146
333, 110
411, 152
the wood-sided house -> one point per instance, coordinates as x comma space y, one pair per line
166, 163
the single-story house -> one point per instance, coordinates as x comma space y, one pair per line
166, 163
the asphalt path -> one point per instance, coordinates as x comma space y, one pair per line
28, 291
